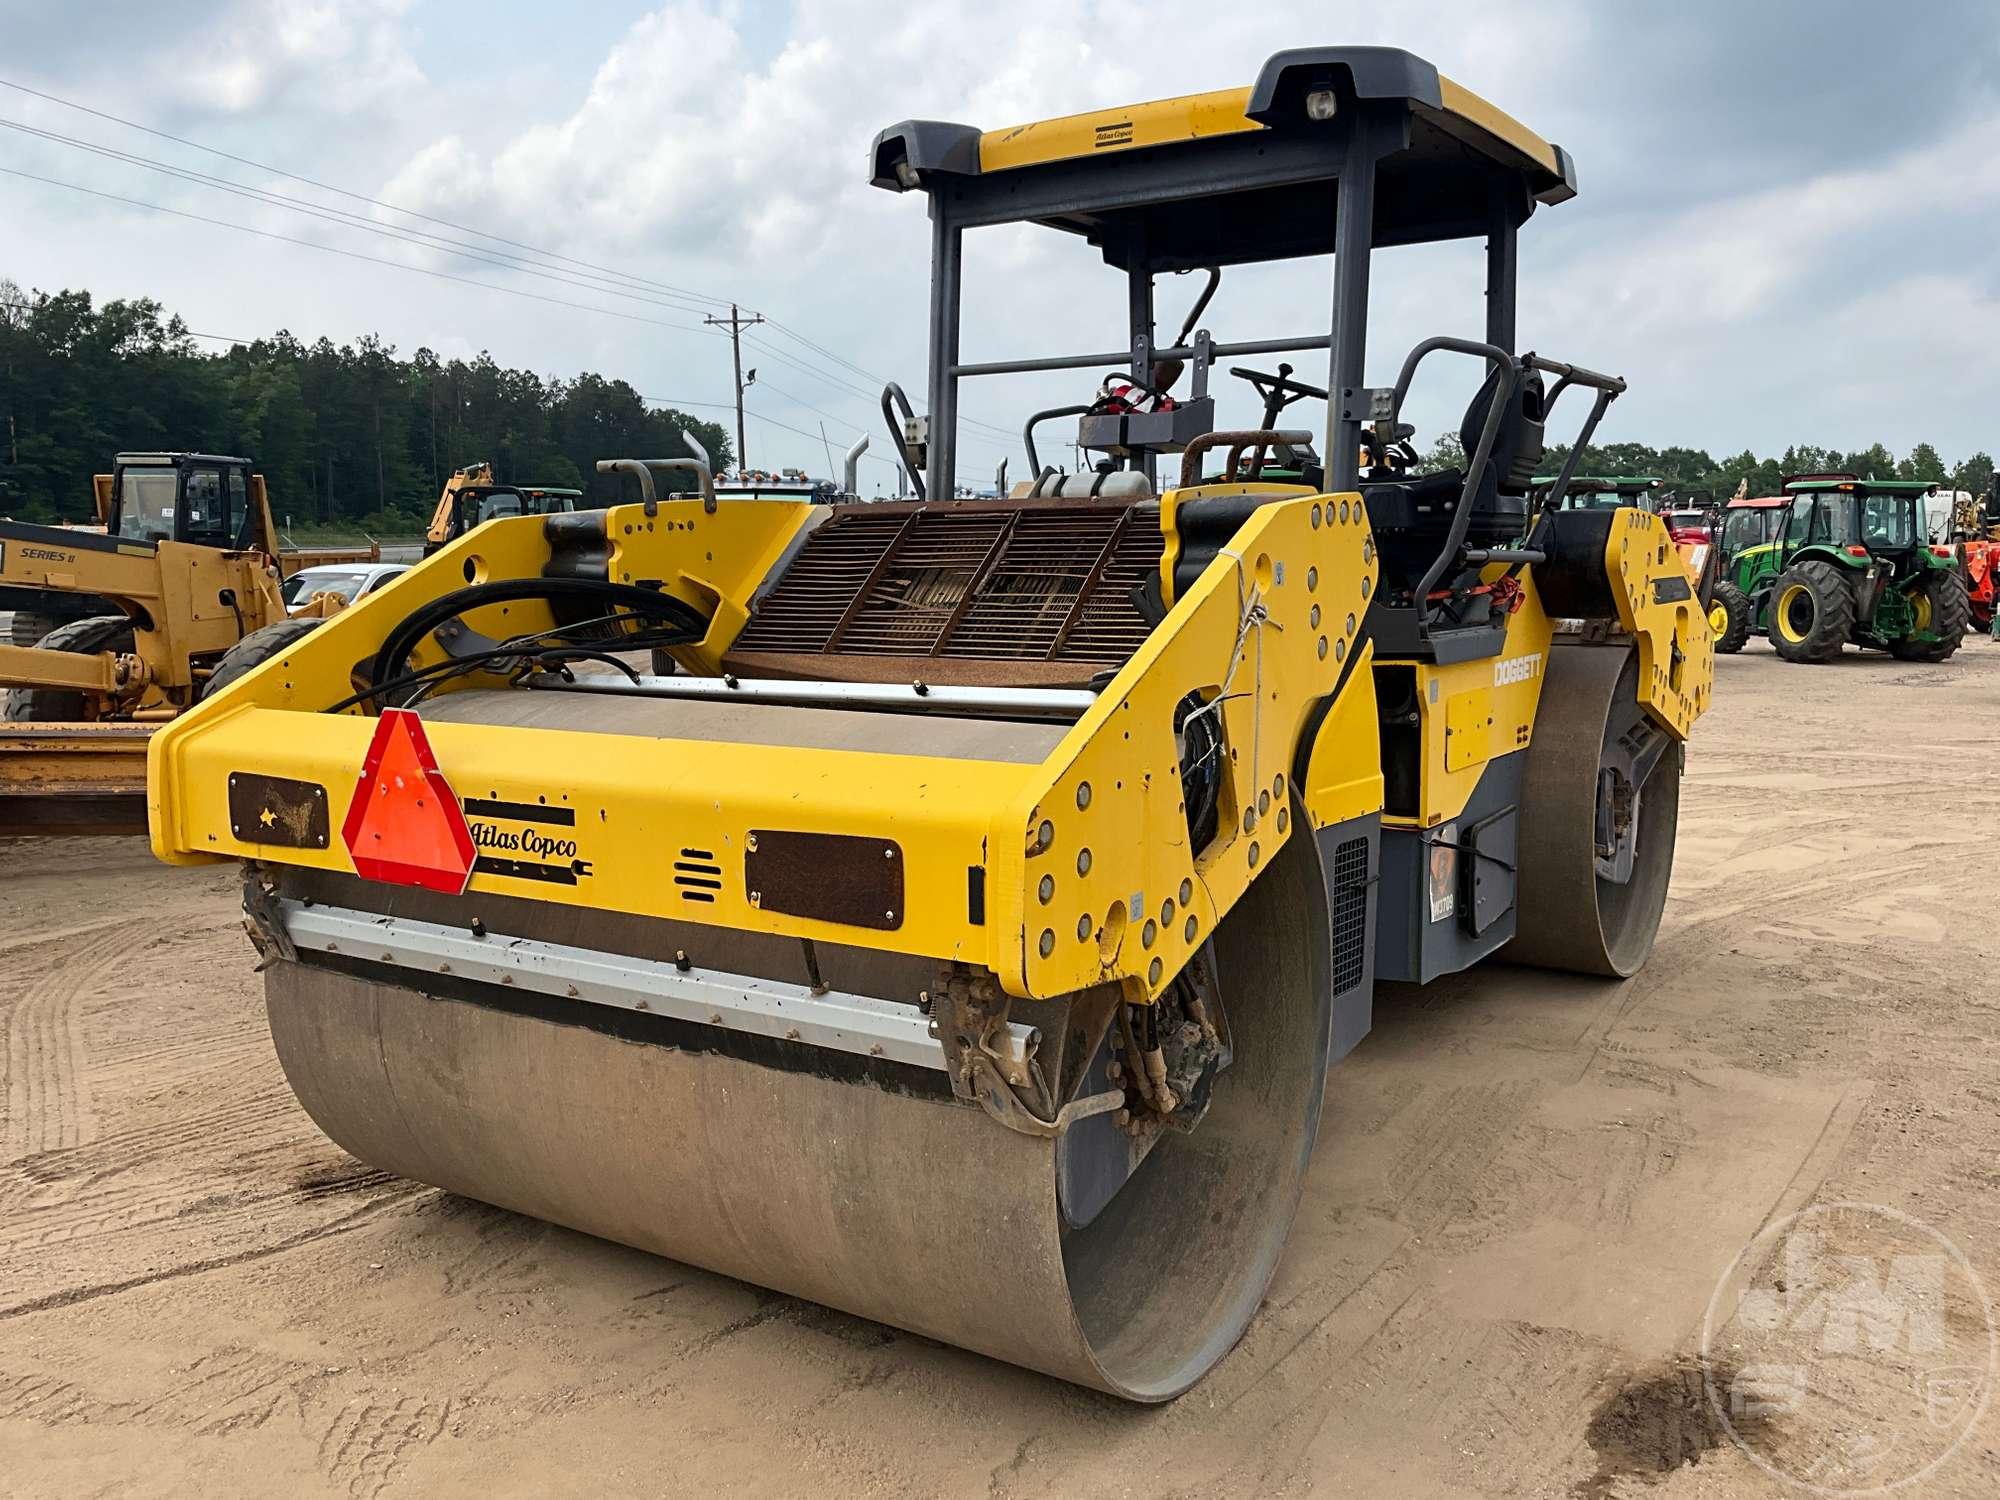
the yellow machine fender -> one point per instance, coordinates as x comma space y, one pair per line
1618, 571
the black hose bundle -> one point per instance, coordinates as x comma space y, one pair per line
607, 618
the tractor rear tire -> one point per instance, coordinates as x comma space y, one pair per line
1812, 612
1742, 618
256, 648
1951, 610
32, 705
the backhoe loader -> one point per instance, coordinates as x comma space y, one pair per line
958, 926
471, 497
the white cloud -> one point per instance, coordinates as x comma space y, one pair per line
714, 162
721, 146
202, 59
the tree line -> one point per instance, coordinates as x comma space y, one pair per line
352, 437
348, 436
1693, 470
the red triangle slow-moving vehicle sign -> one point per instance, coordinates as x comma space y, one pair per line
404, 825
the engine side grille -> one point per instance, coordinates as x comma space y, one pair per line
1350, 914
966, 582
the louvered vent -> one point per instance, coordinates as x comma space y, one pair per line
966, 582
698, 875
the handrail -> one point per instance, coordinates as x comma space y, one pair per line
642, 470
1503, 396
1121, 358
1028, 431
902, 448
1608, 388
1260, 437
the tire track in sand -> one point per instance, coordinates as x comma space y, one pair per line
374, 1436
46, 1096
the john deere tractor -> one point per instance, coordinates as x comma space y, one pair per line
1747, 543
1852, 564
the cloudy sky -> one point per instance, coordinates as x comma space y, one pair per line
1788, 229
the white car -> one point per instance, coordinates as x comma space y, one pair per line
349, 580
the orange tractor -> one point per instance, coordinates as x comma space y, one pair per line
1979, 556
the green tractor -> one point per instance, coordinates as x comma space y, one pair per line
1747, 541
1841, 560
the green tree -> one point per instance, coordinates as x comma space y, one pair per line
1975, 475
1803, 458
1923, 463
1873, 462
347, 434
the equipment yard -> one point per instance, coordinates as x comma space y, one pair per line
1525, 1190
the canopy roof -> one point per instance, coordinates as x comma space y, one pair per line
1217, 178
1606, 482
1862, 486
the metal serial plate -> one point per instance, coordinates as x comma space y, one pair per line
833, 877
278, 811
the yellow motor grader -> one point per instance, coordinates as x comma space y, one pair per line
955, 921
116, 630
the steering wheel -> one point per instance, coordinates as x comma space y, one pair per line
1278, 391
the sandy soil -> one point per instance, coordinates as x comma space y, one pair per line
1525, 1192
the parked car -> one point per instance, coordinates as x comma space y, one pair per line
349, 580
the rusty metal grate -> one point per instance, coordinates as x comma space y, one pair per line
970, 582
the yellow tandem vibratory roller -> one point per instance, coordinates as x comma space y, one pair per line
948, 910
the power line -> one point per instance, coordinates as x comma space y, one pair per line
873, 398
793, 334
677, 402
426, 240
423, 239
776, 390
338, 216
752, 411
356, 197
185, 333
832, 417
376, 260
279, 200
736, 323
799, 338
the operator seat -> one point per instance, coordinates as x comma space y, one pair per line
1412, 516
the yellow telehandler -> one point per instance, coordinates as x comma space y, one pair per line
958, 927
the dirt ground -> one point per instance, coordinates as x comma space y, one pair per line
1525, 1192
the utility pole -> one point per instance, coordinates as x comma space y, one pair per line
736, 323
